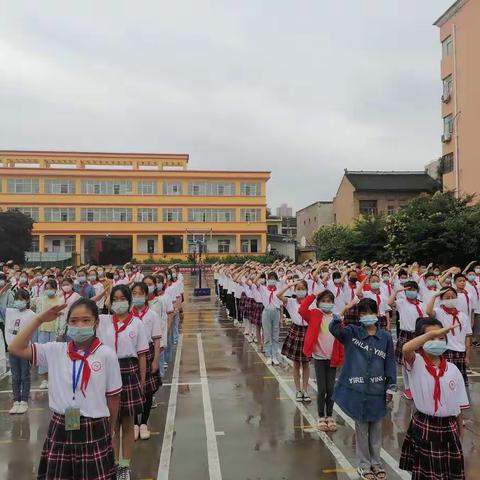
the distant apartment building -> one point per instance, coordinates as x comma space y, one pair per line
310, 218
284, 211
460, 74
377, 193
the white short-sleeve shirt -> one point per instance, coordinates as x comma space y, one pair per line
151, 322
292, 305
132, 341
269, 297
453, 395
381, 301
455, 338
105, 379
16, 320
408, 314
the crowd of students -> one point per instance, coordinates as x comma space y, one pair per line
104, 337
343, 314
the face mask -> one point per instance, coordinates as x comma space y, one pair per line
115, 277
477, 271
325, 307
402, 281
2, 283
451, 303
435, 347
369, 320
160, 286
50, 293
38, 278
436, 272
411, 294
431, 283
336, 281
272, 283
386, 278
101, 276
120, 307
151, 289
375, 285
368, 273
169, 277
138, 301
174, 276
20, 304
67, 288
448, 281
471, 278
100, 272
80, 334
92, 279
82, 279
301, 293
23, 279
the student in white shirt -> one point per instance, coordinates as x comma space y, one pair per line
16, 319
79, 437
432, 447
125, 333
378, 296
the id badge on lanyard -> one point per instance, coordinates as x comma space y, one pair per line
72, 414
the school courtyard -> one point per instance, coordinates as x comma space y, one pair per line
224, 414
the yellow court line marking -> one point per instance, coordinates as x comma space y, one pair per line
30, 410
339, 470
4, 442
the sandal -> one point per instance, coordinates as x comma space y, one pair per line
380, 473
365, 474
322, 425
332, 424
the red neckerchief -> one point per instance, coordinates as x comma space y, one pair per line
74, 355
437, 375
454, 312
379, 298
67, 296
140, 313
118, 329
272, 291
389, 288
467, 297
83, 289
474, 285
151, 297
339, 290
93, 283
352, 289
416, 303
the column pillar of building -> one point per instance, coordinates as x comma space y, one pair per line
160, 243
134, 244
78, 250
41, 243
262, 248
185, 243
238, 242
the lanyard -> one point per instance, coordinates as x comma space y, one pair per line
75, 377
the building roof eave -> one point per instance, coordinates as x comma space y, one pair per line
449, 13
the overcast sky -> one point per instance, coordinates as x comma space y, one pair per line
303, 88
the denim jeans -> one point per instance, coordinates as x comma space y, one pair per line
176, 327
20, 378
271, 331
169, 349
161, 363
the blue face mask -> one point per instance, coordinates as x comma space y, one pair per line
151, 289
435, 347
138, 301
368, 320
375, 285
325, 307
80, 334
20, 304
431, 283
411, 294
82, 279
50, 293
301, 293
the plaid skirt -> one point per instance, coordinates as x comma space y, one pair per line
152, 380
242, 305
257, 311
351, 316
293, 345
131, 398
382, 322
85, 454
432, 449
402, 339
458, 359
248, 310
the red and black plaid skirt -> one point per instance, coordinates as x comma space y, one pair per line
293, 345
257, 311
382, 322
458, 359
131, 398
242, 305
85, 454
152, 380
432, 449
249, 306
402, 339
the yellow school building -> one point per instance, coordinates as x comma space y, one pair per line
112, 207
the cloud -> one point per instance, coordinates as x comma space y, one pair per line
304, 89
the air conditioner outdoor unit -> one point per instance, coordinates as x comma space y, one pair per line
446, 98
446, 138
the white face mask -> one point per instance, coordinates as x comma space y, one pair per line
451, 303
120, 307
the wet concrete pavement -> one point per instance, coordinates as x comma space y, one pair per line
223, 413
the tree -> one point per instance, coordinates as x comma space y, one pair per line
438, 228
15, 235
333, 242
369, 239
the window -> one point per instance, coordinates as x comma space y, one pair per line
172, 188
172, 214
448, 125
273, 229
69, 245
59, 214
106, 215
447, 163
150, 245
211, 188
35, 244
147, 215
172, 244
368, 207
147, 187
59, 186
249, 214
31, 212
250, 189
224, 246
211, 215
107, 187
447, 47
22, 185
249, 245
55, 245
390, 209
447, 86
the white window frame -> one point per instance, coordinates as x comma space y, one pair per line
223, 245
147, 187
172, 214
57, 186
447, 46
250, 189
59, 214
172, 188
145, 214
19, 185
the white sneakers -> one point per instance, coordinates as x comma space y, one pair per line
18, 408
144, 432
269, 361
44, 385
136, 432
275, 362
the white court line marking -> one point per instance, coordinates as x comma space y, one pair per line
212, 447
181, 384
340, 458
389, 460
166, 454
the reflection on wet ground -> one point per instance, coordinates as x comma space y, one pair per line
234, 417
